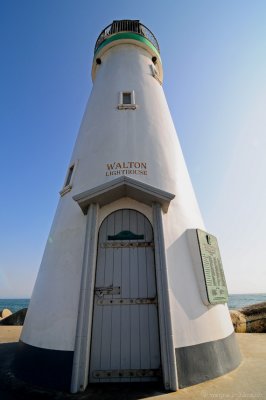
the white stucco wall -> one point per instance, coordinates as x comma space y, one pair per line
109, 135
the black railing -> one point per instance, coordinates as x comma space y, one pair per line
126, 25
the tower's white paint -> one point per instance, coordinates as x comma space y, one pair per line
139, 143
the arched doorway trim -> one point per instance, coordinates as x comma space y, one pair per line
125, 202
90, 202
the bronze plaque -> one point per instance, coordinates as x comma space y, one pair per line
212, 268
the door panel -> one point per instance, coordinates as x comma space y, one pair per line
125, 334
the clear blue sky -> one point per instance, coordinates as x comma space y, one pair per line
214, 58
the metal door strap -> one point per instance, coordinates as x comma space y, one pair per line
108, 302
126, 373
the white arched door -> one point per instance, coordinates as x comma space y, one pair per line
125, 335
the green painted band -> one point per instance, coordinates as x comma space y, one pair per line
127, 35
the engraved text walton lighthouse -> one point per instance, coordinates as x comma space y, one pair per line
126, 168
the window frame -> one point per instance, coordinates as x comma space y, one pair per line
126, 106
68, 182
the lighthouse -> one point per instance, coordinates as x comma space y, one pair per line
131, 286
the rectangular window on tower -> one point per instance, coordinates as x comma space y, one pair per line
127, 100
69, 179
69, 175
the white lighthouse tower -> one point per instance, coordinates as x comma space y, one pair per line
131, 287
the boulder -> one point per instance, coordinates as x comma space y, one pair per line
5, 313
239, 321
250, 319
15, 319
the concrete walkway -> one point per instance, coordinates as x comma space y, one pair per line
9, 334
248, 381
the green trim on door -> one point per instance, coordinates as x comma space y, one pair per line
126, 235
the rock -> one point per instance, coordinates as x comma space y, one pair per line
250, 319
239, 321
5, 313
15, 319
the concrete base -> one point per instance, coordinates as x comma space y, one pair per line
247, 381
206, 361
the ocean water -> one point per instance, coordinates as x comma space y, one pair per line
242, 300
14, 304
235, 301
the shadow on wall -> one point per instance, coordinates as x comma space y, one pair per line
183, 280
